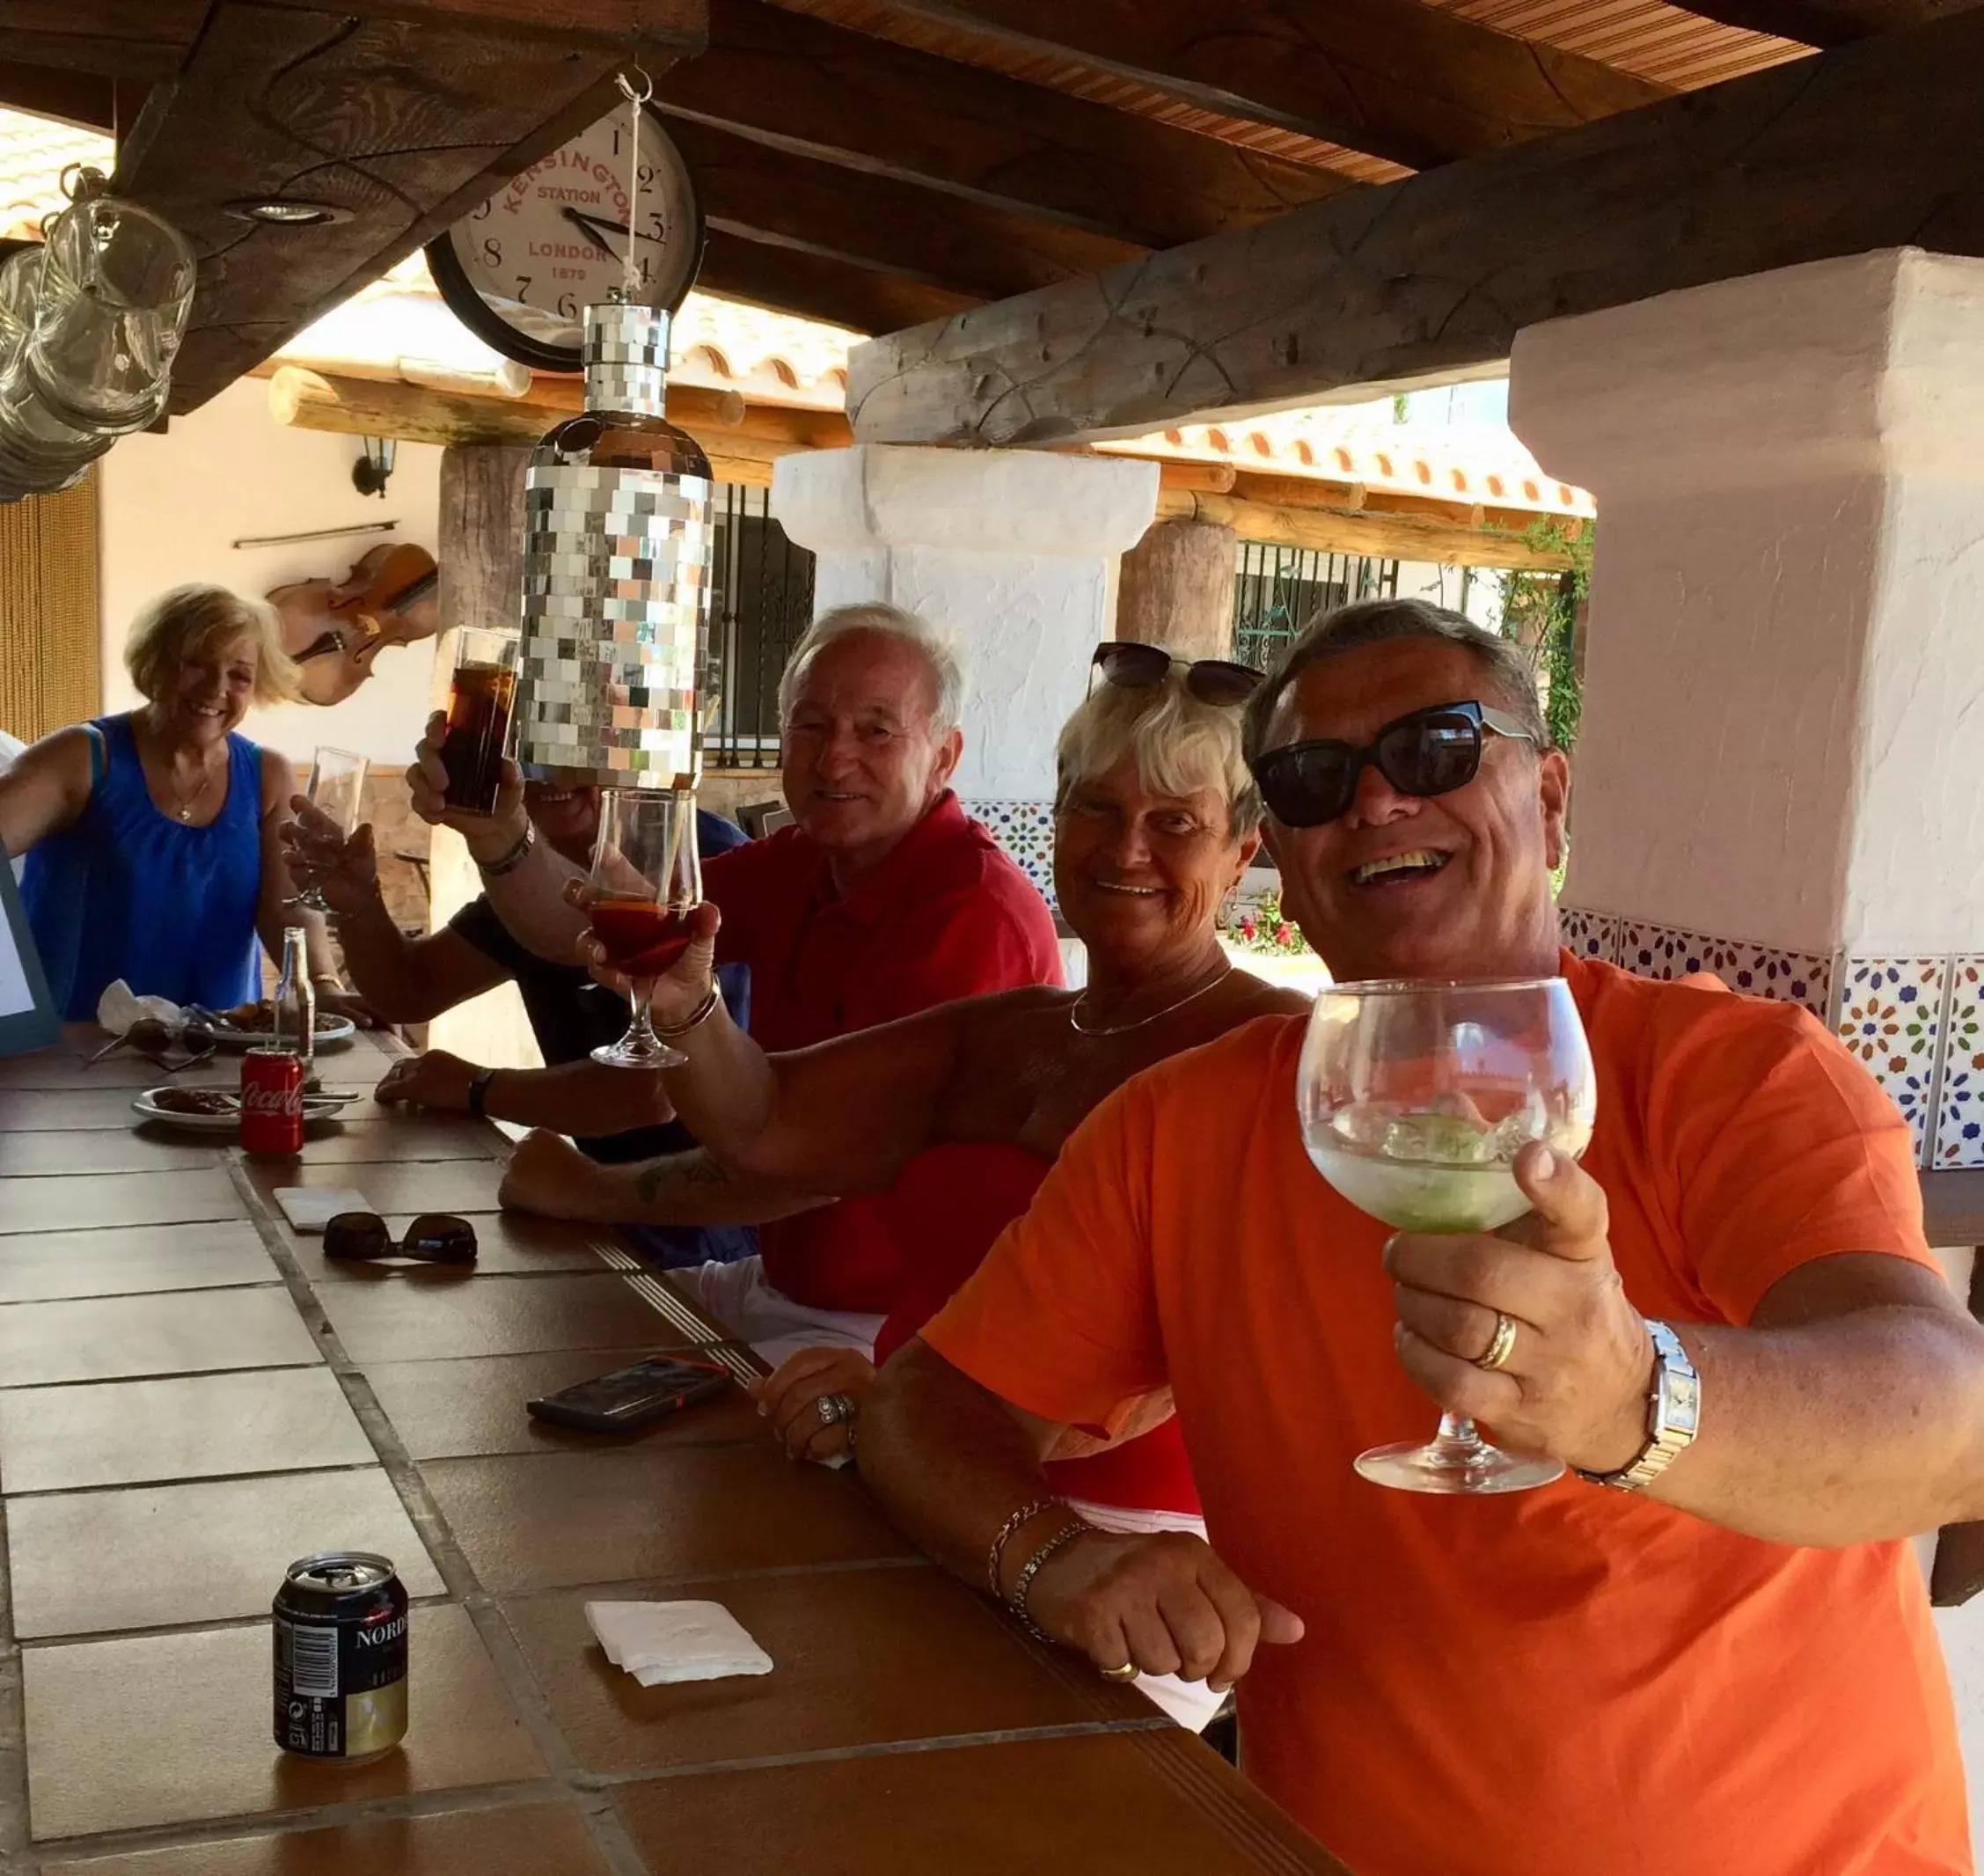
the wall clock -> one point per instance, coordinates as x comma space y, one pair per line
517, 271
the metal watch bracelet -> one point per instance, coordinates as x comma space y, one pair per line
509, 862
1673, 1415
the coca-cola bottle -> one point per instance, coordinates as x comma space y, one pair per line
272, 1078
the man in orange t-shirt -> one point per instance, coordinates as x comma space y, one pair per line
1727, 1666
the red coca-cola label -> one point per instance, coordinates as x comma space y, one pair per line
271, 1101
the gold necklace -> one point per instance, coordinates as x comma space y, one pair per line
1123, 1029
186, 804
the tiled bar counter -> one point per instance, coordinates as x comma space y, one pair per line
190, 1397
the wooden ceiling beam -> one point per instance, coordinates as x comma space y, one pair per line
790, 279
867, 105
1826, 22
1449, 542
1872, 145
400, 123
110, 37
748, 189
1393, 78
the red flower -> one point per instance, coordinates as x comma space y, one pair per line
1284, 933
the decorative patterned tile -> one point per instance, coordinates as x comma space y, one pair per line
1783, 977
1657, 951
1591, 935
1025, 830
1960, 1105
1890, 1013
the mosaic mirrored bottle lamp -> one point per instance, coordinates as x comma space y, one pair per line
616, 554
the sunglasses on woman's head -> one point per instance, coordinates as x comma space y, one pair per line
434, 1237
1426, 752
1137, 667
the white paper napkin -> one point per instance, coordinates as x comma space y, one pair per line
661, 1642
119, 1007
311, 1207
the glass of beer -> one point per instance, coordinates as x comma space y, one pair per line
646, 878
479, 701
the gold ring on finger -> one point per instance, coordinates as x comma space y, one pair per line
1127, 1671
1503, 1346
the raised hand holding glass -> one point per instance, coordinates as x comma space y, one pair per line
1415, 1099
646, 878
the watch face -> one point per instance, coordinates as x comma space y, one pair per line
519, 270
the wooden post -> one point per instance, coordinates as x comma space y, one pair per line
1177, 590
481, 562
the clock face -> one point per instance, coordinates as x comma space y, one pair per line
519, 269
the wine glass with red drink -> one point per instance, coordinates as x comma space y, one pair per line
646, 878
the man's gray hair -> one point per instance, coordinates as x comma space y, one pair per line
1511, 680
946, 673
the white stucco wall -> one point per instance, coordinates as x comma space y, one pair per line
1783, 674
1012, 553
174, 504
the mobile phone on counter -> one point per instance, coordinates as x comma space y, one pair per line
632, 1397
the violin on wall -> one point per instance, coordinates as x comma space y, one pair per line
335, 629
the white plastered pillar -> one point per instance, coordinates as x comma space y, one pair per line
1780, 772
1012, 553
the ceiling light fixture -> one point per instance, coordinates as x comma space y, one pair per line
279, 211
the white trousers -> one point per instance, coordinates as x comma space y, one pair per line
737, 1295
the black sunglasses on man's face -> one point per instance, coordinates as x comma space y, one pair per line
1425, 752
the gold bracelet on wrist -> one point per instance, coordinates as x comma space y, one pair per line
696, 1019
1007, 1532
1022, 1583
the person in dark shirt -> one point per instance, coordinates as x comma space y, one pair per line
414, 979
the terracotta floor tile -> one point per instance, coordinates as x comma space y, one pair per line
528, 1840
111, 1337
164, 1728
1156, 1804
132, 1431
437, 1313
123, 1198
104, 1150
41, 1266
202, 1552
864, 1656
540, 1521
445, 1410
435, 1185
505, 1243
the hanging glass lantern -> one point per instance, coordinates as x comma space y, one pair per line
617, 556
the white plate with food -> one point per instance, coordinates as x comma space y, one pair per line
252, 1026
217, 1110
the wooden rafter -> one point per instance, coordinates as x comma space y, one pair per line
790, 278
1826, 22
754, 191
1393, 78
146, 41
402, 122
1871, 145
880, 109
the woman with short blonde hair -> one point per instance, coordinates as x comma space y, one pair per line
152, 836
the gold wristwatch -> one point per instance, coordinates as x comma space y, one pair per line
1673, 1415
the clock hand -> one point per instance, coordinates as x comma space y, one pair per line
586, 226
595, 227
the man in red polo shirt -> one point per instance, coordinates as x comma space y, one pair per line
882, 899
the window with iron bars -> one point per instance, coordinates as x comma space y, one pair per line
1277, 591
761, 602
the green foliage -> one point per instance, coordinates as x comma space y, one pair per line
1542, 612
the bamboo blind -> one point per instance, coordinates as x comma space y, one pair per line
50, 671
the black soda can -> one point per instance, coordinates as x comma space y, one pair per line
340, 1657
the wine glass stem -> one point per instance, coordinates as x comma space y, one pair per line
1457, 1443
642, 1031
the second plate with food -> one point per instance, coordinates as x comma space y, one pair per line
216, 1109
250, 1027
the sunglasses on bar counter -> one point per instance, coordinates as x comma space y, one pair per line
1137, 667
434, 1237
1423, 753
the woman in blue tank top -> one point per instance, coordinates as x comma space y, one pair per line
151, 837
